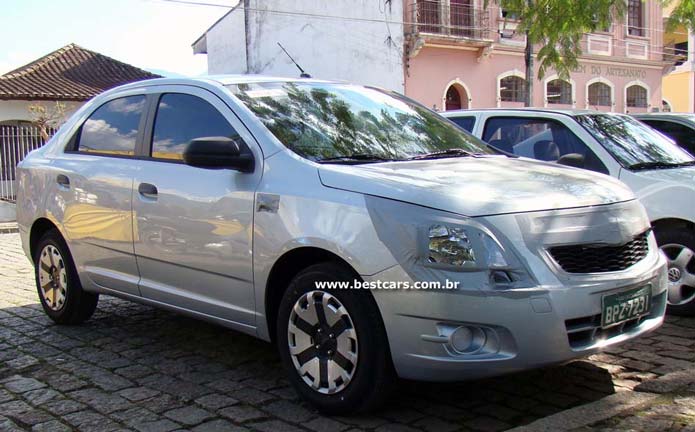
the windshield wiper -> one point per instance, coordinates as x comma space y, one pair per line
658, 165
453, 152
355, 159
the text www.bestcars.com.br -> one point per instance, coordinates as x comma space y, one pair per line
388, 285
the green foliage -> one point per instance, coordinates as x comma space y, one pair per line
683, 14
557, 26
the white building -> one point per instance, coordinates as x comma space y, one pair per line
320, 35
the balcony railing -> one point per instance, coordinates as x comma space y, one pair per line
450, 18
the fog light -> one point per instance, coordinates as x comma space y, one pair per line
467, 339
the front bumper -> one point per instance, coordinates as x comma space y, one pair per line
525, 329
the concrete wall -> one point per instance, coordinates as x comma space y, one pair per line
678, 90
226, 44
19, 109
365, 52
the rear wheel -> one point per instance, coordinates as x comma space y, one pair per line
333, 343
58, 285
679, 247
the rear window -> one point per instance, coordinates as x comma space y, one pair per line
465, 123
113, 128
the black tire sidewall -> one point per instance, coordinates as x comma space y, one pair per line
686, 238
373, 371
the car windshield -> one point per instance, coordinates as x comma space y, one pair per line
634, 144
343, 123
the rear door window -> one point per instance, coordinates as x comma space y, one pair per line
683, 135
465, 123
543, 139
112, 129
182, 118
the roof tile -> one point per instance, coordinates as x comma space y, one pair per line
69, 73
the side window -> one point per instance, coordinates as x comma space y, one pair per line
182, 118
542, 139
113, 128
465, 123
681, 134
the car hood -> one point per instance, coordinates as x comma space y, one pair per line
684, 175
479, 186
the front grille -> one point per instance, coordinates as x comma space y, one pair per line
585, 331
599, 258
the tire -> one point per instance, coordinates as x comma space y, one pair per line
353, 352
679, 247
57, 283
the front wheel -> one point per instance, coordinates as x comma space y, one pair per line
679, 247
333, 343
58, 285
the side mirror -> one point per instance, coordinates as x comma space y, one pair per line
572, 159
217, 153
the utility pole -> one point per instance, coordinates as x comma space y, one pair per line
529, 63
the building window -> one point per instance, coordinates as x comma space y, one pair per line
429, 16
636, 96
559, 92
512, 89
635, 18
666, 106
600, 94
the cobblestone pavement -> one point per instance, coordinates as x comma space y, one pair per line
132, 367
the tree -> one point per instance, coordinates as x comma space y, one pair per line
683, 14
47, 118
557, 26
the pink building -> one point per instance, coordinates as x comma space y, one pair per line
459, 55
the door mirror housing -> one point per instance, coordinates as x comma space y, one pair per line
572, 159
218, 153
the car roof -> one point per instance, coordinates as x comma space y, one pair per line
687, 116
217, 80
567, 112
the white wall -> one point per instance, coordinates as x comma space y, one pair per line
226, 45
327, 48
19, 109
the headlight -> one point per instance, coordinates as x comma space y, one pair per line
463, 247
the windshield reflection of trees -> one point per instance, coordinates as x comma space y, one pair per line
321, 122
630, 142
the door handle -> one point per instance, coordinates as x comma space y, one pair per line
147, 190
63, 180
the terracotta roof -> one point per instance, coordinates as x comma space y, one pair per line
69, 73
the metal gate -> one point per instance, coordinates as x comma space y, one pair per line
15, 143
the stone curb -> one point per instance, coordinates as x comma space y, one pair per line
668, 383
594, 412
8, 228
611, 406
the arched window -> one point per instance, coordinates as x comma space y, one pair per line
666, 106
600, 94
512, 89
636, 97
559, 92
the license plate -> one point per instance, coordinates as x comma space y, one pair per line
625, 306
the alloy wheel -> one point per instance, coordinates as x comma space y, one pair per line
681, 277
53, 278
322, 342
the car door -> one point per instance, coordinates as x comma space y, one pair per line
194, 226
94, 181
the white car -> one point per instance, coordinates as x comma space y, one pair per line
661, 174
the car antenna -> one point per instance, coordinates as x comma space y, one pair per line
302, 74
